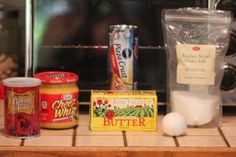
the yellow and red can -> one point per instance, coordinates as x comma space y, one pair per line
59, 99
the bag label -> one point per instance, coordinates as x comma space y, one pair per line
196, 64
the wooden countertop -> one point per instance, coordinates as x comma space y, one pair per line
81, 142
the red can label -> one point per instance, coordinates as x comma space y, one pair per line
22, 111
59, 108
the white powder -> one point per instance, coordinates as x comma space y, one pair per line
197, 108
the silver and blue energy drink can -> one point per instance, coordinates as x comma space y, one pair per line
123, 57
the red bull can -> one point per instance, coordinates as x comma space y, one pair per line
123, 57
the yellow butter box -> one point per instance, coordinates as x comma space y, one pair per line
123, 110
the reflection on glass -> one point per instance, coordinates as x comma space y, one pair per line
72, 35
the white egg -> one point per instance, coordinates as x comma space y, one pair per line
174, 124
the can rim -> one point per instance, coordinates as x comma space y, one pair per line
123, 26
21, 82
57, 77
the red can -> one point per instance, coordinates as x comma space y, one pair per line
22, 113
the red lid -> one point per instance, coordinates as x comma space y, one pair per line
57, 77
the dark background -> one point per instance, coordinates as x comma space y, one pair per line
85, 23
72, 35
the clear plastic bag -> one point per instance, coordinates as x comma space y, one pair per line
196, 41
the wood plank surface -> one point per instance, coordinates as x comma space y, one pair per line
81, 142
1, 107
115, 152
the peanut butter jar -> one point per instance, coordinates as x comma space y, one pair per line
59, 99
